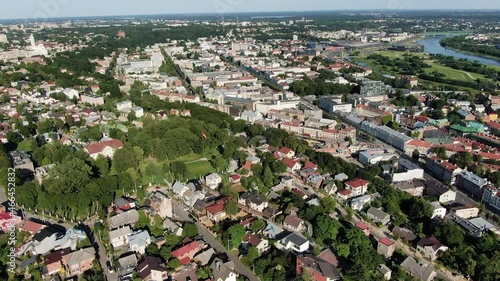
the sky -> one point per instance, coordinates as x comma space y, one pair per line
27, 9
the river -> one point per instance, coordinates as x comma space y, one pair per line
432, 46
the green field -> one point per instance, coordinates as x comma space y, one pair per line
449, 72
199, 169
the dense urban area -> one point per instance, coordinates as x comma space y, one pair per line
331, 146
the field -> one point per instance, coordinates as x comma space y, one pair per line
436, 67
197, 167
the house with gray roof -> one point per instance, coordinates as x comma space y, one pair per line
138, 241
120, 237
295, 242
223, 271
204, 257
419, 270
126, 263
129, 217
378, 216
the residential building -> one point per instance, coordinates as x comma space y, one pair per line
32, 227
430, 247
21, 161
53, 262
404, 234
120, 237
378, 216
179, 189
294, 223
317, 268
413, 187
126, 263
286, 152
204, 257
407, 171
292, 166
129, 217
253, 201
357, 186
256, 241
471, 183
363, 227
186, 252
386, 247
420, 145
392, 137
151, 269
76, 263
419, 270
443, 169
466, 212
439, 190
491, 196
216, 212
213, 180
385, 271
160, 204
295, 242
223, 271
375, 156
92, 99
438, 211
105, 148
138, 241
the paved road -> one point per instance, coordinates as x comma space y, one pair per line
238, 266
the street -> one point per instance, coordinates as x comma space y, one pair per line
238, 266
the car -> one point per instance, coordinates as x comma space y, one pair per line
110, 267
204, 238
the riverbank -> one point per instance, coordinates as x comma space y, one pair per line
432, 45
477, 55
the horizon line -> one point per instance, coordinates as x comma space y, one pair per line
248, 12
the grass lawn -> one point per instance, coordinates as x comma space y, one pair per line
199, 169
449, 72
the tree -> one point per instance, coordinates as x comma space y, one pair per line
326, 228
236, 233
131, 116
463, 159
252, 254
415, 154
174, 264
267, 177
178, 168
257, 225
70, 176
231, 207
14, 137
190, 230
441, 152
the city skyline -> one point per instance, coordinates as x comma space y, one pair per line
28, 9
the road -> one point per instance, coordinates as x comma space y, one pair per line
183, 215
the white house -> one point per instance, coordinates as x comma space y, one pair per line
123, 105
71, 93
120, 237
438, 210
213, 180
295, 242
